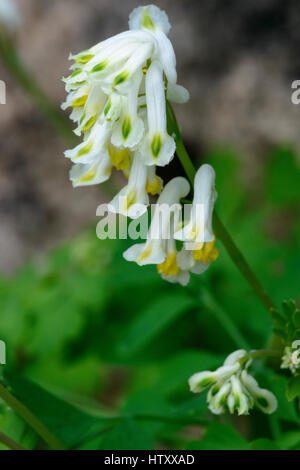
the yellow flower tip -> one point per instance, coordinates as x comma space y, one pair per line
89, 124
79, 102
154, 187
129, 200
120, 158
207, 253
169, 266
89, 176
145, 254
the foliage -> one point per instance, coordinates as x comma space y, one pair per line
99, 349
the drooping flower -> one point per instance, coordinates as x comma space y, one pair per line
232, 388
199, 228
132, 200
117, 90
154, 250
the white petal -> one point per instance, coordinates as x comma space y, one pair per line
177, 93
149, 17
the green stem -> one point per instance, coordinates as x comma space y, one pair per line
14, 64
10, 443
30, 419
220, 230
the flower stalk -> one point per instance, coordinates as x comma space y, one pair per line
220, 230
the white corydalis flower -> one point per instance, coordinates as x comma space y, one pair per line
95, 172
117, 90
10, 18
130, 127
132, 200
199, 227
158, 147
151, 18
232, 388
153, 251
95, 144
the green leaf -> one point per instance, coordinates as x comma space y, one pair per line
289, 440
69, 424
175, 372
220, 437
264, 444
153, 320
293, 388
127, 436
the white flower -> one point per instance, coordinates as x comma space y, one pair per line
10, 17
232, 388
95, 144
96, 172
117, 90
130, 127
199, 227
158, 147
132, 200
154, 250
291, 357
150, 18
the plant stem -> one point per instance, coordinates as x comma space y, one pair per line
220, 230
10, 443
13, 62
30, 419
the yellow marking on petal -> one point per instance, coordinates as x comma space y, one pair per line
89, 123
84, 150
130, 199
79, 102
90, 175
145, 254
207, 253
120, 158
154, 187
84, 59
169, 266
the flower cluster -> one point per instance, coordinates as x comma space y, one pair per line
9, 16
291, 357
232, 388
198, 248
118, 90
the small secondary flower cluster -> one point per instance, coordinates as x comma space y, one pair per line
232, 388
118, 90
291, 357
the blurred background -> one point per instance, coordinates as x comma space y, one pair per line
237, 59
69, 304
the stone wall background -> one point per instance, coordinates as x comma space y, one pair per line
237, 58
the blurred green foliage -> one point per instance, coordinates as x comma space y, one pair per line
112, 339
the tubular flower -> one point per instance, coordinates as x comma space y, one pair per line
232, 388
117, 91
198, 229
154, 250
